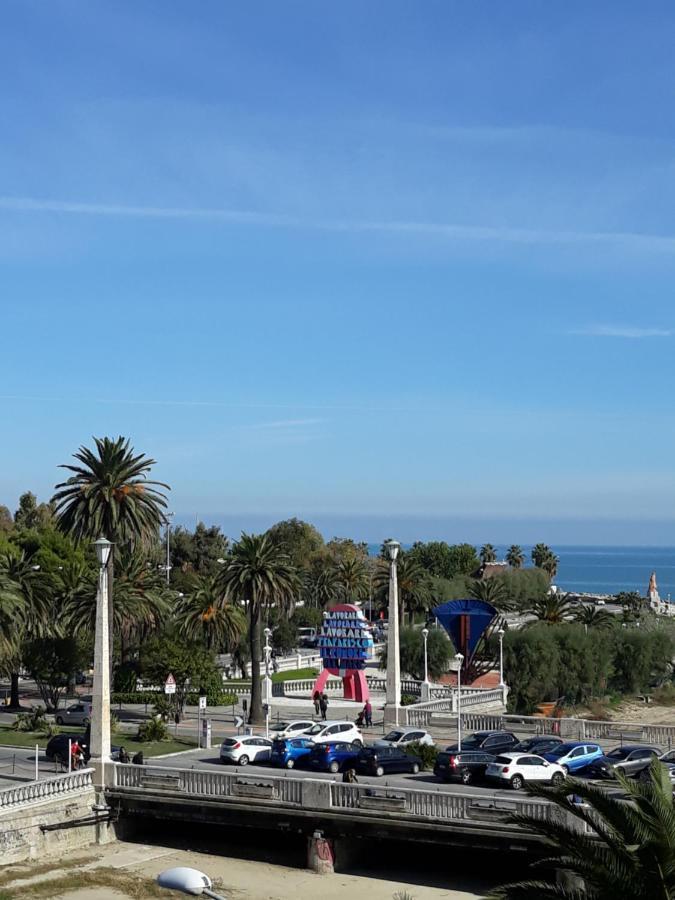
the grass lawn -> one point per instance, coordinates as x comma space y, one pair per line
294, 674
29, 739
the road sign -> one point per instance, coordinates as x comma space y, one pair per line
238, 721
170, 685
202, 702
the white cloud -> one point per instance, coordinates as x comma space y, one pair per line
622, 331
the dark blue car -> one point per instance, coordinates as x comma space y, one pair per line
289, 752
334, 756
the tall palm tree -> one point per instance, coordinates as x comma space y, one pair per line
34, 617
109, 495
321, 586
414, 586
592, 617
258, 575
552, 609
487, 554
618, 846
550, 565
204, 613
351, 573
12, 610
539, 553
515, 556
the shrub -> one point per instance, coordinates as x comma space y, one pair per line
665, 695
135, 696
114, 723
31, 721
426, 752
408, 699
153, 730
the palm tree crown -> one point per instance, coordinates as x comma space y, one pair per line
487, 554
515, 556
205, 614
553, 609
619, 846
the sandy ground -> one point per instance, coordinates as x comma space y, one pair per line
643, 713
236, 879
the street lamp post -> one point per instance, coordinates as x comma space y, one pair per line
167, 522
426, 687
500, 635
188, 881
393, 658
268, 680
100, 712
459, 659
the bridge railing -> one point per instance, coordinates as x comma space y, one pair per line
315, 794
47, 789
420, 713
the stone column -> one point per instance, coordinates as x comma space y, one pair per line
392, 710
100, 713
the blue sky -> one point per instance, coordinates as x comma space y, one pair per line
397, 268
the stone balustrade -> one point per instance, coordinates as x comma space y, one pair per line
47, 789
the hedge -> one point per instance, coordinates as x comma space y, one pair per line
191, 699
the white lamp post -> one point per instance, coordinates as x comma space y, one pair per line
187, 881
100, 712
393, 659
268, 681
459, 659
167, 521
500, 635
426, 687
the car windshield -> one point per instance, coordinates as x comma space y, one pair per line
471, 743
281, 726
394, 736
316, 729
229, 742
618, 753
503, 760
562, 750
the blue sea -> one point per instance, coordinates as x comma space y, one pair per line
606, 570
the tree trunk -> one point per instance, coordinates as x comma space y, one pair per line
255, 716
14, 700
111, 615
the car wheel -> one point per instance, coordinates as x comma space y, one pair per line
466, 777
557, 779
334, 767
86, 720
243, 760
517, 782
357, 743
290, 763
415, 769
379, 771
59, 720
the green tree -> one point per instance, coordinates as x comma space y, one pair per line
593, 617
515, 556
51, 662
414, 586
196, 552
190, 663
205, 614
491, 590
552, 609
444, 561
258, 575
109, 495
32, 514
6, 520
411, 641
487, 554
618, 846
539, 553
353, 577
298, 539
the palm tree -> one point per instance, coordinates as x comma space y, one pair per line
592, 617
618, 846
32, 589
258, 575
487, 554
205, 614
12, 609
491, 590
552, 609
351, 573
539, 553
515, 556
321, 586
414, 586
109, 495
550, 565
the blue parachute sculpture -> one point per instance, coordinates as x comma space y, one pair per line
469, 622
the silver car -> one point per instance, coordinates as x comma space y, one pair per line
77, 714
403, 737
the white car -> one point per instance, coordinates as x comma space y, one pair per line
345, 732
514, 769
290, 729
402, 737
244, 749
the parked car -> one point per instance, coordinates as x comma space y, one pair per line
289, 752
493, 742
333, 756
515, 769
574, 756
244, 749
540, 744
346, 732
290, 729
668, 759
385, 760
401, 737
465, 767
307, 637
77, 714
631, 759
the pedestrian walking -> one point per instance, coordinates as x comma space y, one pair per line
316, 697
349, 777
323, 706
368, 714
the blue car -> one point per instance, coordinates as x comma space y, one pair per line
575, 755
333, 756
289, 752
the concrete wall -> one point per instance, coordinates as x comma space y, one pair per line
22, 839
